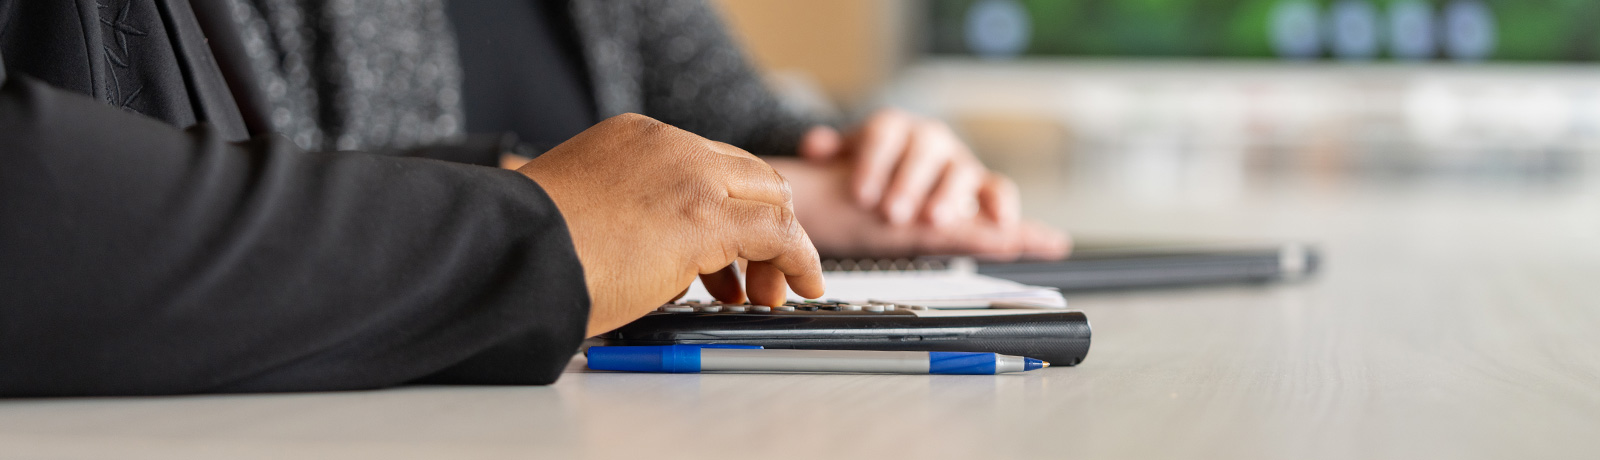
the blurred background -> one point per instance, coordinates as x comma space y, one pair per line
1161, 102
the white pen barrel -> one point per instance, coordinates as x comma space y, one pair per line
771, 360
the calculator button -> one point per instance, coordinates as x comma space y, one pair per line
873, 308
784, 308
678, 309
914, 307
736, 308
709, 308
760, 308
850, 307
808, 308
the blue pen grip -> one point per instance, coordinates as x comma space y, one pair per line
951, 362
660, 358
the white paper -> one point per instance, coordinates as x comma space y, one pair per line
933, 289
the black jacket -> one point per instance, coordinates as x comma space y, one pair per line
155, 239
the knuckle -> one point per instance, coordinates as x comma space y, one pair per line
972, 172
701, 207
938, 138
784, 189
655, 128
1011, 189
644, 124
779, 217
725, 149
788, 225
629, 119
706, 187
1002, 182
696, 154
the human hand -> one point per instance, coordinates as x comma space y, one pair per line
912, 168
840, 228
650, 206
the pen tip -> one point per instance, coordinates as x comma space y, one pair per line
1045, 364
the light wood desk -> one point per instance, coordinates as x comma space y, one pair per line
1448, 323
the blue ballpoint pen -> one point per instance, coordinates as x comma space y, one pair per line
745, 358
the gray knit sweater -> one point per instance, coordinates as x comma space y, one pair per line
378, 74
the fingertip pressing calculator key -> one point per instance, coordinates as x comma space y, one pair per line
1058, 336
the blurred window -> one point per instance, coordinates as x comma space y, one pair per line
1472, 30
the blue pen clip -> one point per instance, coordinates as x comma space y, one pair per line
654, 358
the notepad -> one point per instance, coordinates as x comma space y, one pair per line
951, 285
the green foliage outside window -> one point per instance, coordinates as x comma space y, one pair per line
1523, 30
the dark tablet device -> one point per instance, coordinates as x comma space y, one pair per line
1130, 266
1058, 336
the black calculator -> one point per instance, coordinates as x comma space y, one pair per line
1058, 336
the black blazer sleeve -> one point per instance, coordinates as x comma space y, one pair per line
475, 149
137, 259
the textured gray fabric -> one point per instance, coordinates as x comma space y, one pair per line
675, 61
390, 76
355, 74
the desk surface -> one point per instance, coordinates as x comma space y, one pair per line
1448, 323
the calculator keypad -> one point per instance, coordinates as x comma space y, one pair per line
807, 307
